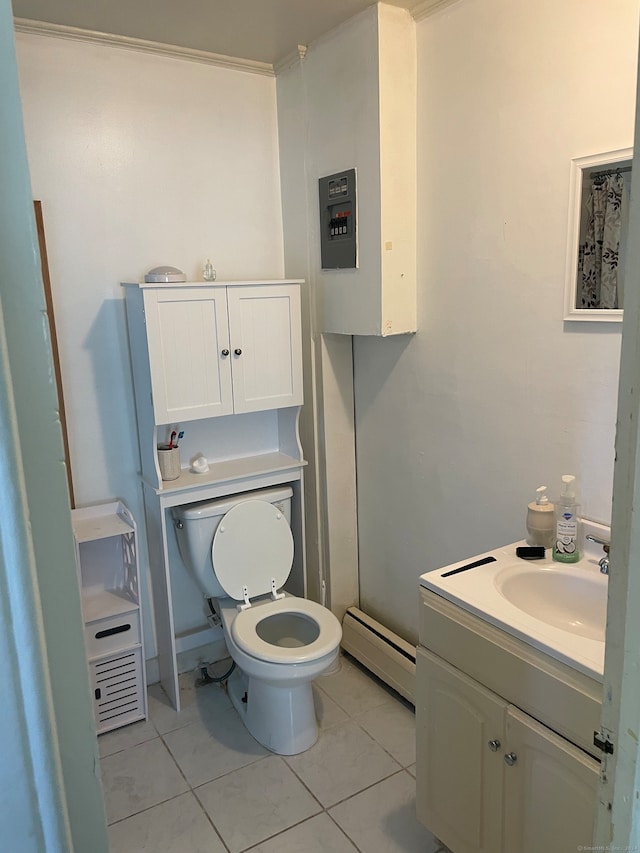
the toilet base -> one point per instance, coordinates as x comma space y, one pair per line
283, 719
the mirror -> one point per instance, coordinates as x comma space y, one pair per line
599, 197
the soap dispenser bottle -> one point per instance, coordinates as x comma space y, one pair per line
541, 520
566, 545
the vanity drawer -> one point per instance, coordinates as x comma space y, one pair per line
114, 632
562, 698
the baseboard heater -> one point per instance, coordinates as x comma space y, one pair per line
381, 651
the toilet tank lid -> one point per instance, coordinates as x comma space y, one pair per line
220, 506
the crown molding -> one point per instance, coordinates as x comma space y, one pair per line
42, 28
430, 7
290, 59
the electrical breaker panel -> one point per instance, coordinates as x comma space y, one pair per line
338, 245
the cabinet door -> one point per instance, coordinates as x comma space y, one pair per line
550, 790
459, 775
188, 340
266, 347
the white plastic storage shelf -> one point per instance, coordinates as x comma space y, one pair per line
108, 575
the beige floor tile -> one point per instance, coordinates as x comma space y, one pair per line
197, 704
343, 761
327, 712
256, 802
176, 826
412, 770
353, 690
317, 835
382, 818
127, 736
255, 797
206, 751
393, 726
138, 778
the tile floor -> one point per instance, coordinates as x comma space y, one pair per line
197, 782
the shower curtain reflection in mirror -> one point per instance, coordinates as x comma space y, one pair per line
600, 253
598, 226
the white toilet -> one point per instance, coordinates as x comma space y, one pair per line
240, 551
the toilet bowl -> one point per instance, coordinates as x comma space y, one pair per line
272, 692
279, 642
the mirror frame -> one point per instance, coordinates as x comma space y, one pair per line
578, 166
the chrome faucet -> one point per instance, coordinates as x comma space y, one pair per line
604, 561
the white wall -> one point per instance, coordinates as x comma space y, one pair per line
455, 426
50, 789
139, 160
328, 108
340, 74
495, 395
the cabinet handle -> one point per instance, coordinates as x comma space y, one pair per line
224, 353
494, 745
238, 351
109, 632
510, 758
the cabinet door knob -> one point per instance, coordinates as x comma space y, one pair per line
511, 758
225, 353
494, 745
238, 351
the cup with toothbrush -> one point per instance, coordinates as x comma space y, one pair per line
169, 456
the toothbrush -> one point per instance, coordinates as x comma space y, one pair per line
173, 435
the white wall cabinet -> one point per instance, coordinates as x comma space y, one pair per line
490, 777
219, 350
223, 363
369, 61
107, 561
187, 336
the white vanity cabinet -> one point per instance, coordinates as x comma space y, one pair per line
459, 781
221, 349
491, 777
550, 790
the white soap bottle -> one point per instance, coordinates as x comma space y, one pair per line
541, 520
566, 545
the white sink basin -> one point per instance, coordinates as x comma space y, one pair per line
573, 600
558, 608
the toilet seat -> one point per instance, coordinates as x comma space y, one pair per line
245, 624
252, 550
252, 554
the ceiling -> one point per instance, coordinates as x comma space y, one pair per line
259, 30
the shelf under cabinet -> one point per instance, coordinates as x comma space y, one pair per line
99, 523
232, 469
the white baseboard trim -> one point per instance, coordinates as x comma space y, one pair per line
201, 636
381, 651
190, 659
